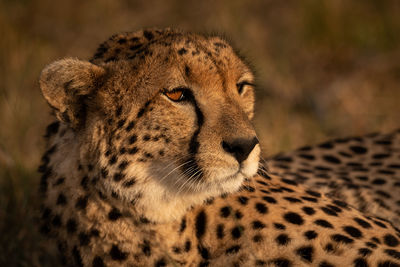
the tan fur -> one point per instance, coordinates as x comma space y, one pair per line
123, 186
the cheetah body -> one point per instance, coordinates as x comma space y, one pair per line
361, 171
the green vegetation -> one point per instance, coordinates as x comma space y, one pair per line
325, 69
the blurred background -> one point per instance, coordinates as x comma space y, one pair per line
325, 69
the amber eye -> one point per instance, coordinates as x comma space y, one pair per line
177, 94
240, 86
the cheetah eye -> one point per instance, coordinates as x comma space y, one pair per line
240, 86
177, 94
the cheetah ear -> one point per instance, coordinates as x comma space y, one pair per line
65, 85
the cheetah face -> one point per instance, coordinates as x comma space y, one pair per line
200, 138
170, 123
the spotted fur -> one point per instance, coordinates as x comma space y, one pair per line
132, 178
364, 172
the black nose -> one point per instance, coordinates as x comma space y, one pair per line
240, 148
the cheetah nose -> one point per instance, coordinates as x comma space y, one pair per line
240, 148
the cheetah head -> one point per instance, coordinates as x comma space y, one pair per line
163, 116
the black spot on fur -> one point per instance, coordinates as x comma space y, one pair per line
362, 223
332, 159
148, 35
61, 200
205, 254
135, 47
354, 232
140, 113
342, 238
59, 181
77, 256
201, 223
306, 253
160, 263
112, 160
310, 235
293, 218
323, 223
269, 199
182, 51
84, 239
117, 254
129, 183
132, 139
182, 226
376, 240
238, 215
220, 231
279, 226
388, 264
293, 199
307, 156
325, 264
281, 262
233, 249
71, 226
188, 245
121, 123
237, 232
329, 248
282, 239
378, 181
390, 240
84, 182
329, 211
261, 208
243, 200
313, 193
56, 221
288, 181
122, 166
308, 210
257, 238
371, 245
130, 126
364, 252
393, 253
258, 225
225, 211
114, 214
133, 150
204, 264
382, 225
98, 262
359, 149
360, 262
81, 202
118, 176
310, 199
187, 71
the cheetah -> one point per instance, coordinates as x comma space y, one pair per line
153, 161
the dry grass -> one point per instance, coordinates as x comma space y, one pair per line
325, 68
